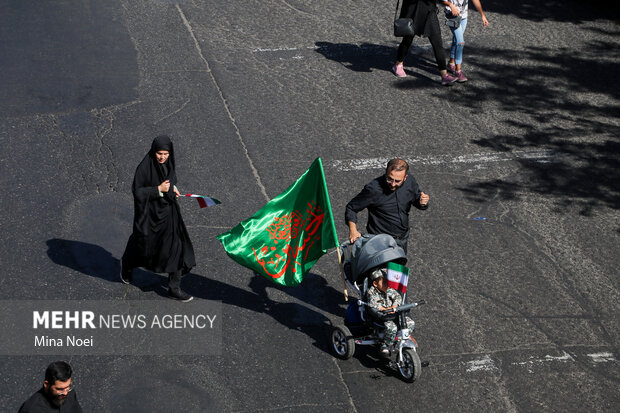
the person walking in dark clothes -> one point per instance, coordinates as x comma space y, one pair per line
425, 23
388, 199
56, 395
159, 242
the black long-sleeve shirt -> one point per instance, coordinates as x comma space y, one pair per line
388, 211
38, 403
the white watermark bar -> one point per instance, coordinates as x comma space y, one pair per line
110, 327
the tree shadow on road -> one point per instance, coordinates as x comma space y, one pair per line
562, 101
577, 11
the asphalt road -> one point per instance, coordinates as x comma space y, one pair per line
517, 257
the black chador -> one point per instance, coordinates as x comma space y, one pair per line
159, 242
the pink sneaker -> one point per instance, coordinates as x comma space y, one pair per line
448, 79
399, 71
460, 77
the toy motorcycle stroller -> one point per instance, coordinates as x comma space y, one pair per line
359, 259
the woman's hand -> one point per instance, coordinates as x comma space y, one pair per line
164, 186
177, 193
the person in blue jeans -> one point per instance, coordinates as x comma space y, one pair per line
425, 23
459, 8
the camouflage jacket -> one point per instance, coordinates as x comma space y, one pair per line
377, 298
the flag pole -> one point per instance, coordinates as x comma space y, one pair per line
344, 282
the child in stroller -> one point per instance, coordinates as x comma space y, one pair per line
364, 323
381, 299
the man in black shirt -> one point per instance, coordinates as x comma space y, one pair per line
56, 395
388, 199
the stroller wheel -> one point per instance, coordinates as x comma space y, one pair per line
410, 367
342, 342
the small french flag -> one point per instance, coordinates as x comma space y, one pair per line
204, 201
397, 277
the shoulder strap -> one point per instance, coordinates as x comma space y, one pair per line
396, 12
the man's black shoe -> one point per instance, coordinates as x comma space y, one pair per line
178, 294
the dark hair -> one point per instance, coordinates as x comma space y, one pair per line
58, 370
397, 164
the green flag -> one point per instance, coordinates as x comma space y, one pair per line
287, 236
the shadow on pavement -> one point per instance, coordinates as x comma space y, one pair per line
560, 100
579, 11
368, 57
359, 58
558, 103
95, 261
378, 368
294, 316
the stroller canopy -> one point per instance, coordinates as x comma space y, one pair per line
372, 251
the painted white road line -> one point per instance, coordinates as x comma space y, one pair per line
477, 158
601, 357
563, 358
340, 49
281, 49
484, 364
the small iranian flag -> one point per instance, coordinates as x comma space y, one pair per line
397, 277
203, 201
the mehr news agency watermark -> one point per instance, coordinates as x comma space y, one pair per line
96, 327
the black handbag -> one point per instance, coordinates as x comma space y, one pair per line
402, 26
453, 21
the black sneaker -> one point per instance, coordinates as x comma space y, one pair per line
179, 295
126, 276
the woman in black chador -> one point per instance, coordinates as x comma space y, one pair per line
159, 242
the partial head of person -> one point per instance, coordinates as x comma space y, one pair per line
161, 148
396, 173
377, 277
57, 384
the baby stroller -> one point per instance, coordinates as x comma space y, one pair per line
359, 259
